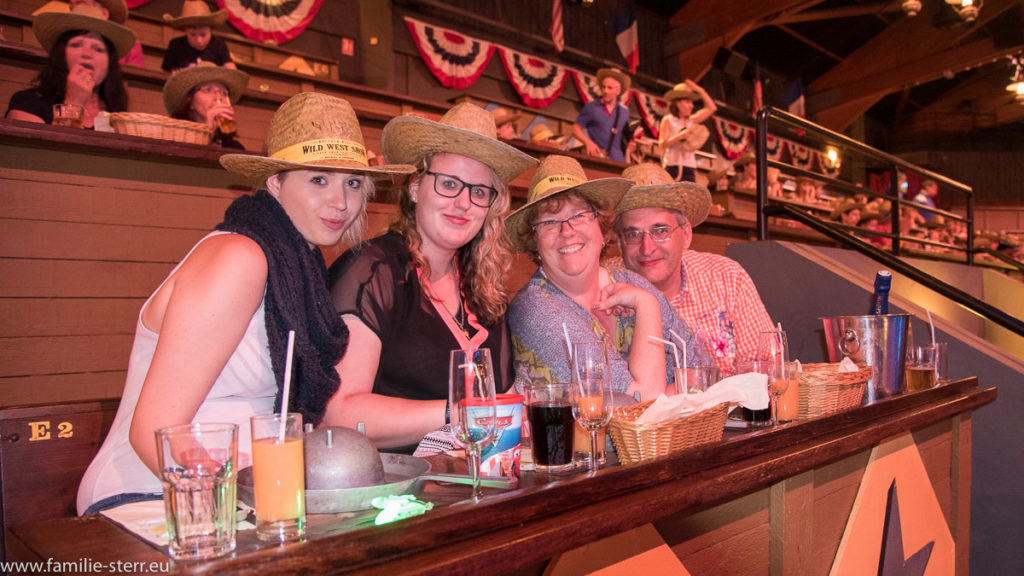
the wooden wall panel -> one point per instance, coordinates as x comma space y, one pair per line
74, 241
35, 317
61, 387
21, 278
62, 355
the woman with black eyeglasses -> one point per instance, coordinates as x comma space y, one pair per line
564, 227
432, 284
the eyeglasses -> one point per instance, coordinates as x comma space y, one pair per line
449, 186
634, 236
213, 89
574, 222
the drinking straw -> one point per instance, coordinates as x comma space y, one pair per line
287, 385
568, 352
932, 325
675, 351
681, 341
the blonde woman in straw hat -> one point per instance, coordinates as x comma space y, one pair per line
210, 343
711, 293
564, 227
198, 44
433, 283
82, 69
204, 94
682, 128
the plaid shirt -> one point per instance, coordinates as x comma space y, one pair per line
719, 302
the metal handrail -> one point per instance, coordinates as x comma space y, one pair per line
894, 263
894, 162
885, 257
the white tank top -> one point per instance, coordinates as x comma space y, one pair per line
245, 387
676, 156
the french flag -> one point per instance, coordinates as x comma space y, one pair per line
623, 24
793, 99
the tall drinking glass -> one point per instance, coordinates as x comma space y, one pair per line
473, 405
198, 468
591, 392
772, 354
278, 477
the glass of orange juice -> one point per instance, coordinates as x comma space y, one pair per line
278, 477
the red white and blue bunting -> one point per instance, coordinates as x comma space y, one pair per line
774, 147
733, 138
824, 166
455, 59
270, 20
651, 108
800, 156
538, 82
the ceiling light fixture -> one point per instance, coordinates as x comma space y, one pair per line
968, 10
1016, 84
911, 7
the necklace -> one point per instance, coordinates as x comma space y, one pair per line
460, 316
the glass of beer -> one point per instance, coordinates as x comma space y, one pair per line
68, 115
549, 411
226, 126
921, 368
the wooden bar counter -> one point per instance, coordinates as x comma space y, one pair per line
772, 501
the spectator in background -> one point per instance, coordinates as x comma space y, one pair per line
198, 44
505, 122
682, 130
204, 94
848, 212
927, 194
602, 121
746, 173
806, 190
117, 12
638, 143
542, 135
82, 69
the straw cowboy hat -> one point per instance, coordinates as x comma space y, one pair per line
845, 206
653, 187
542, 133
466, 129
182, 81
118, 10
503, 116
556, 175
744, 159
617, 74
695, 138
680, 91
196, 13
312, 131
48, 26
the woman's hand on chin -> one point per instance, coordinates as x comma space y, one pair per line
624, 299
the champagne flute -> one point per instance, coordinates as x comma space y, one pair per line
772, 354
591, 392
473, 405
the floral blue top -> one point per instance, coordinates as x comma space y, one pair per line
538, 312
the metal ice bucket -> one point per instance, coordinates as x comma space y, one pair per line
878, 341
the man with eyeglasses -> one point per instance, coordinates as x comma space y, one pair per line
713, 294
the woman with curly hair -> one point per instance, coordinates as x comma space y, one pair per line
432, 284
82, 69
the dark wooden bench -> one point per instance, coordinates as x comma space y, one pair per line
44, 451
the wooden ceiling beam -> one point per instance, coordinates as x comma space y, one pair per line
836, 13
911, 40
701, 21
809, 42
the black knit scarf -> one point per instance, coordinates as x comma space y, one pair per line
296, 299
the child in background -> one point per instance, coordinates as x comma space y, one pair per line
198, 44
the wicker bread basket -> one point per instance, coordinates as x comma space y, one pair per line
161, 127
635, 442
823, 389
